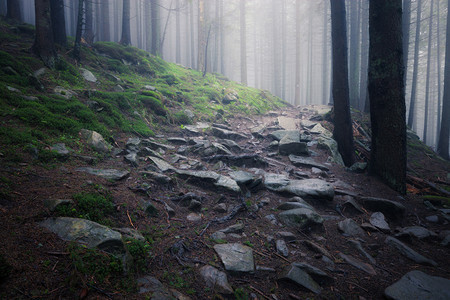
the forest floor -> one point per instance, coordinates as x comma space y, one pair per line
44, 266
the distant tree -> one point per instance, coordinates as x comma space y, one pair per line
178, 33
243, 31
89, 24
105, 30
443, 144
406, 21
126, 34
354, 55
297, 52
79, 32
427, 84
44, 45
438, 60
58, 22
325, 86
283, 49
201, 36
192, 32
387, 95
13, 10
155, 27
343, 131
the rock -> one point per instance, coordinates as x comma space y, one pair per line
159, 178
418, 285
389, 208
149, 284
272, 219
350, 228
39, 72
282, 248
316, 248
231, 145
287, 236
319, 129
432, 219
300, 218
13, 89
228, 134
220, 208
244, 160
52, 204
358, 264
291, 144
67, 94
177, 140
279, 134
358, 167
236, 228
216, 280
317, 274
149, 88
86, 232
194, 217
409, 253
228, 184
131, 158
306, 162
195, 205
307, 124
150, 209
236, 257
377, 219
288, 123
310, 188
161, 164
212, 178
131, 233
189, 114
330, 145
87, 75
110, 174
258, 131
155, 145
369, 227
230, 97
95, 140
359, 247
351, 204
30, 98
294, 205
295, 274
61, 149
446, 241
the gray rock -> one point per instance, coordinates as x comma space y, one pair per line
316, 273
300, 218
307, 124
282, 248
61, 149
149, 284
446, 241
195, 205
131, 158
150, 209
358, 167
39, 72
291, 144
211, 178
228, 184
52, 204
306, 162
310, 188
272, 219
418, 285
432, 219
287, 236
228, 134
95, 140
13, 89
231, 145
133, 143
194, 217
319, 129
236, 228
149, 88
189, 114
216, 280
294, 205
279, 134
155, 145
159, 178
351, 204
359, 247
87, 75
258, 131
377, 219
67, 94
330, 145
409, 253
161, 164
218, 236
220, 208
242, 177
295, 274
110, 174
389, 208
417, 232
316, 248
130, 233
236, 257
230, 97
86, 232
350, 228
177, 140
358, 264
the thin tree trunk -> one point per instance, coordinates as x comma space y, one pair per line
415, 66
201, 36
178, 33
163, 37
354, 52
325, 53
79, 32
406, 21
427, 84
438, 42
343, 132
106, 33
126, 34
192, 32
155, 27
310, 58
387, 95
58, 22
283, 49
89, 26
44, 45
297, 53
364, 56
275, 57
221, 33
243, 42
13, 11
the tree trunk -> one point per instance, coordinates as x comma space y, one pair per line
243, 41
106, 33
155, 27
443, 145
178, 34
44, 45
89, 25
275, 44
77, 44
354, 56
283, 49
427, 84
438, 46
406, 21
309, 85
343, 132
126, 34
13, 10
415, 66
297, 53
364, 56
58, 22
221, 33
325, 85
387, 96
201, 36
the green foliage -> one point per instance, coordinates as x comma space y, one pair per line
170, 79
181, 118
140, 251
240, 294
248, 243
67, 73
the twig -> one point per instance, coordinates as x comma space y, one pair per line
129, 218
259, 292
283, 258
260, 253
351, 282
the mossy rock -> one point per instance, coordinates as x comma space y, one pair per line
437, 200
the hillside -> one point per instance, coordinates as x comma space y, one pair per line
195, 187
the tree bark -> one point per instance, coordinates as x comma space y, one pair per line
443, 145
343, 131
325, 86
406, 21
106, 33
89, 24
427, 84
297, 53
363, 104
155, 27
126, 34
79, 32
201, 36
283, 49
354, 57
178, 33
58, 22
243, 34
438, 69
387, 96
44, 45
13, 10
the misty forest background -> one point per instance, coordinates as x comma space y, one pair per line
283, 46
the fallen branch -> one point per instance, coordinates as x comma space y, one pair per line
259, 292
129, 218
423, 184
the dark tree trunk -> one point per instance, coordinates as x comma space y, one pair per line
243, 42
387, 96
438, 55
44, 45
297, 53
406, 21
106, 33
275, 45
343, 132
443, 145
364, 56
13, 10
354, 55
155, 27
427, 84
201, 36
89, 26
178, 33
126, 34
58, 22
77, 44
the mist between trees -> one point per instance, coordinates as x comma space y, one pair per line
283, 46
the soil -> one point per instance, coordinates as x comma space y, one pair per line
42, 266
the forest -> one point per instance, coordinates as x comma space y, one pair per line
211, 149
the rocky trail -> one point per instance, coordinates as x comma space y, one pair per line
255, 208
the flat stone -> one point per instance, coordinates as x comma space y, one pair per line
242, 177
377, 219
216, 280
95, 140
228, 134
310, 188
86, 232
52, 204
60, 91
350, 228
358, 167
194, 217
359, 247
236, 257
358, 264
300, 218
110, 174
387, 207
236, 228
218, 236
282, 248
316, 248
155, 145
131, 158
158, 177
316, 273
87, 75
294, 205
177, 140
409, 253
418, 285
161, 164
299, 161
61, 149
298, 276
287, 236
291, 144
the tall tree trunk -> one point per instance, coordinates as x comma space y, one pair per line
77, 44
105, 28
58, 22
387, 95
216, 37
438, 46
148, 26
325, 62
243, 42
343, 132
427, 84
126, 34
178, 34
201, 36
297, 53
275, 44
406, 21
443, 145
44, 45
89, 25
283, 49
13, 11
222, 38
155, 27
364, 56
309, 85
192, 33
354, 56
412, 103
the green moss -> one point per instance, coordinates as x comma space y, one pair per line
153, 104
181, 118
140, 251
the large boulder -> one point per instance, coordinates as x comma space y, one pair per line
95, 140
236, 257
290, 144
301, 218
216, 280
